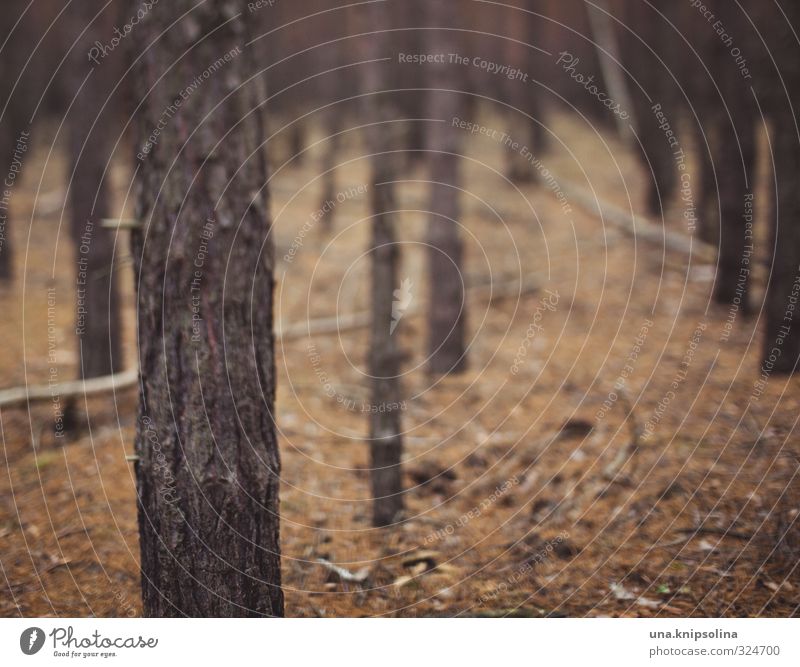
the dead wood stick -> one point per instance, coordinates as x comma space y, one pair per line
637, 225
21, 396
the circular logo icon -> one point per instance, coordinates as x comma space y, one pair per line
31, 641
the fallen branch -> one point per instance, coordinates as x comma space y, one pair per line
637, 226
22, 396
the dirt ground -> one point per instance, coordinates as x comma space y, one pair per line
608, 452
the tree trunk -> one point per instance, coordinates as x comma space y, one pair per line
15, 111
736, 159
92, 123
776, 76
781, 350
208, 465
386, 441
525, 117
734, 119
447, 307
651, 84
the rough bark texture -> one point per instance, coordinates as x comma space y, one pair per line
15, 109
776, 78
208, 464
93, 129
386, 442
447, 308
733, 115
782, 332
522, 31
647, 47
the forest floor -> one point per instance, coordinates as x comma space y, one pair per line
607, 453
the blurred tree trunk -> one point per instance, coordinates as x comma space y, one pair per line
93, 125
208, 468
525, 118
648, 51
782, 333
386, 441
447, 307
16, 94
733, 119
776, 77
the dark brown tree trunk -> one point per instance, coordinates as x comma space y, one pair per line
447, 307
297, 142
777, 81
208, 466
733, 119
386, 441
330, 152
521, 32
93, 130
782, 334
736, 160
707, 209
651, 84
15, 111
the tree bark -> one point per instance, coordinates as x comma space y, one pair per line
447, 307
208, 467
733, 119
777, 80
385, 438
781, 351
651, 84
15, 109
92, 123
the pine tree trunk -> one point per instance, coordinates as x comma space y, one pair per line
15, 112
447, 308
651, 84
92, 123
208, 465
736, 170
777, 79
781, 351
734, 119
386, 441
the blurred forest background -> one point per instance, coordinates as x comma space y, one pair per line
498, 298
